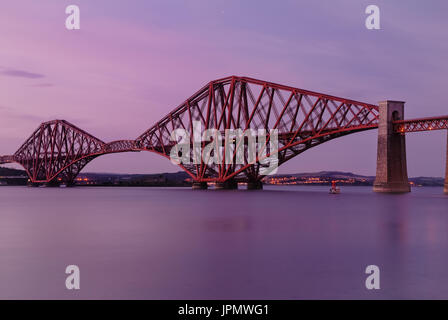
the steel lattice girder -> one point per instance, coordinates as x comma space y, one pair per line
303, 119
423, 124
57, 149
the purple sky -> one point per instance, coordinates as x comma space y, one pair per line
134, 61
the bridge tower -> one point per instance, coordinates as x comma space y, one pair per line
445, 189
391, 168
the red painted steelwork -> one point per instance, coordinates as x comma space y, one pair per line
423, 124
303, 119
58, 150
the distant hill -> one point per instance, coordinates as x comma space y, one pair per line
427, 181
181, 178
159, 179
11, 172
12, 177
334, 174
349, 178
319, 178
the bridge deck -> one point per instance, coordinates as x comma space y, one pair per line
422, 124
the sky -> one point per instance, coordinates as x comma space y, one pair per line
134, 61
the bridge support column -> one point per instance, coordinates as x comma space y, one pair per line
52, 184
445, 188
32, 184
391, 168
226, 185
197, 185
254, 185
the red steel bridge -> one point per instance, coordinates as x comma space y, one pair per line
57, 150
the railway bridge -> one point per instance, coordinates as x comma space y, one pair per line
57, 150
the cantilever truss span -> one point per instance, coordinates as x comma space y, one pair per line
58, 150
303, 119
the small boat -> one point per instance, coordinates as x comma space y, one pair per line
334, 189
63, 185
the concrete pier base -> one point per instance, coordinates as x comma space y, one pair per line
199, 186
58, 184
51, 184
32, 184
226, 185
391, 168
445, 188
254, 185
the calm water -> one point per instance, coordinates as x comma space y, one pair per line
279, 243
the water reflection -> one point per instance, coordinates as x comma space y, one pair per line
280, 243
228, 224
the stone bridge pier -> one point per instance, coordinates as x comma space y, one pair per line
391, 168
445, 188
